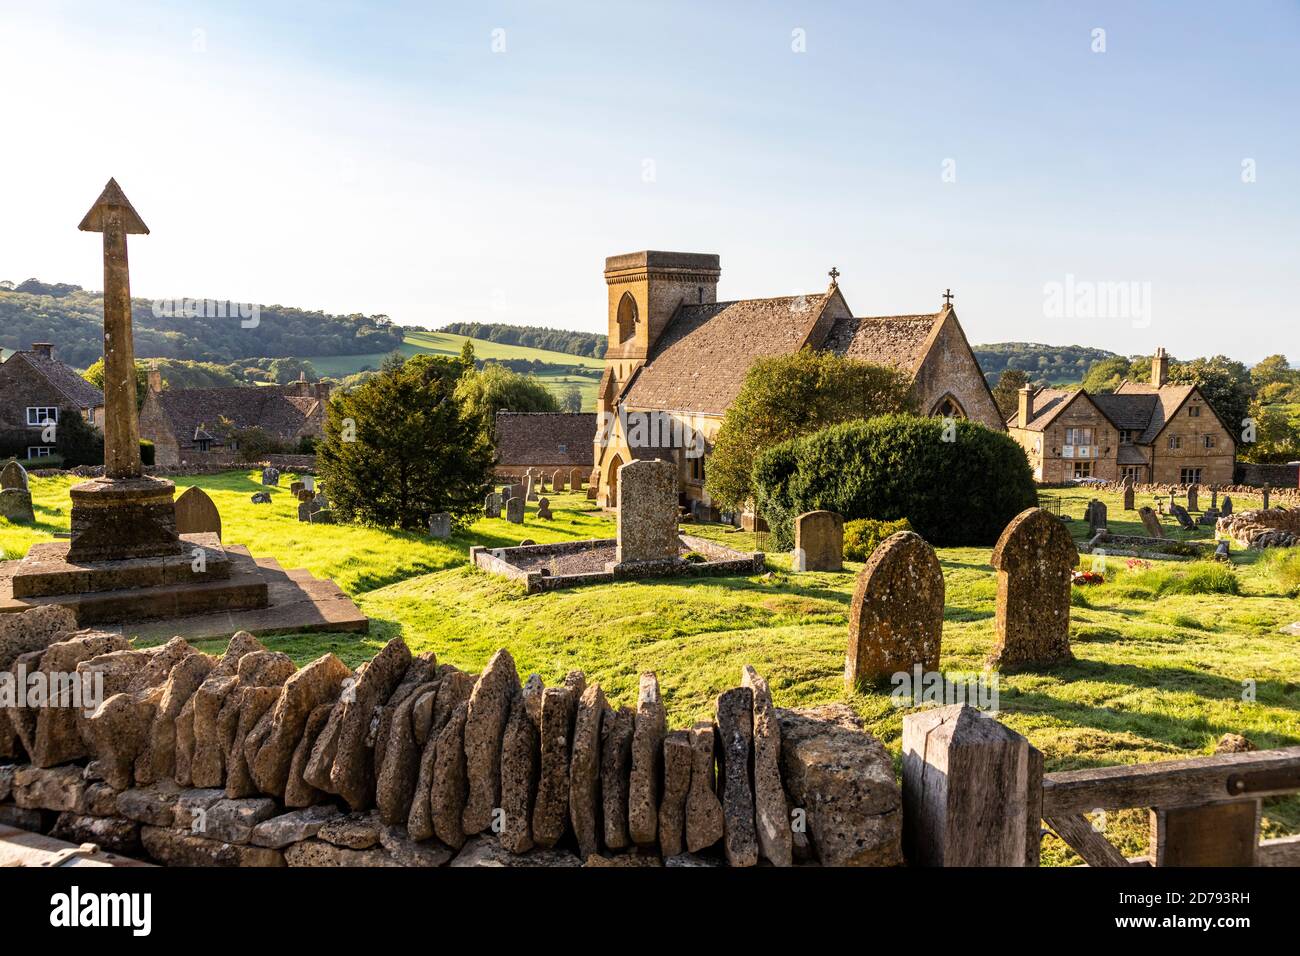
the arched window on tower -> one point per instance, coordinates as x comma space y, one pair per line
626, 317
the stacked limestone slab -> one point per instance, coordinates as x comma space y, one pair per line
246, 760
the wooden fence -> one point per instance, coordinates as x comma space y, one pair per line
974, 794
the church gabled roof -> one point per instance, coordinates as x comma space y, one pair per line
701, 358
898, 341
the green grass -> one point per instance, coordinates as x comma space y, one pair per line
1159, 669
445, 343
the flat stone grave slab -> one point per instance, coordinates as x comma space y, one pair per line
46, 570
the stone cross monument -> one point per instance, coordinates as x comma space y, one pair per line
125, 514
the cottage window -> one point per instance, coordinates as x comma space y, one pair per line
564, 449
38, 415
1083, 469
1078, 436
1130, 471
1175, 442
39, 451
697, 468
1194, 411
1209, 441
204, 444
1189, 476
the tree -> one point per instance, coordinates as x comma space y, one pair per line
1007, 393
77, 441
1277, 436
497, 389
1106, 374
1273, 369
785, 396
95, 376
1225, 383
572, 400
401, 446
286, 370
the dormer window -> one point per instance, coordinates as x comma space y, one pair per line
626, 317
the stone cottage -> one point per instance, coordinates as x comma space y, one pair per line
548, 441
1147, 432
192, 425
677, 357
35, 387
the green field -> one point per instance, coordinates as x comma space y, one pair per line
1159, 670
445, 343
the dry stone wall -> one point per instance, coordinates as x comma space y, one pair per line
245, 760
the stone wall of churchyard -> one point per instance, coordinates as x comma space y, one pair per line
1279, 476
247, 760
299, 464
1286, 496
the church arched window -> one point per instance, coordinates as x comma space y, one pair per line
948, 407
626, 317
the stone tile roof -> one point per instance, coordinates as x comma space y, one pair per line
64, 378
1048, 403
1168, 400
1131, 455
545, 438
894, 340
1130, 412
191, 410
701, 359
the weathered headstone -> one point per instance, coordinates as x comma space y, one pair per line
305, 509
16, 506
1096, 516
440, 527
1128, 497
309, 482
592, 493
13, 475
1034, 559
530, 488
647, 512
261, 498
1193, 498
196, 513
295, 487
819, 541
1227, 506
306, 494
1214, 497
557, 482
1208, 518
896, 618
575, 479
1184, 519
515, 510
492, 505
1267, 490
322, 516
1151, 522
544, 509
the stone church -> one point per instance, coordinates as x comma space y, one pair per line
677, 358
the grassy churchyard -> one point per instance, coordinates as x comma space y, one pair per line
1165, 654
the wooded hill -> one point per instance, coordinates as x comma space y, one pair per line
1055, 364
73, 319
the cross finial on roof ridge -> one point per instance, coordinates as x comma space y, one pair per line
947, 296
834, 274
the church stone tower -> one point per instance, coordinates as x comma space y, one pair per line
645, 289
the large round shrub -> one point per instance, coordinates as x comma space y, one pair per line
961, 491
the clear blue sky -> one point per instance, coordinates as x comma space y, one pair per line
381, 157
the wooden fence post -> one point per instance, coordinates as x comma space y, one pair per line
972, 790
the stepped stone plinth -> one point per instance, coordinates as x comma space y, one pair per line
49, 568
123, 518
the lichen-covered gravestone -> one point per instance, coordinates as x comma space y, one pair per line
544, 509
647, 512
1193, 499
1184, 519
1096, 516
819, 541
896, 618
1151, 523
492, 505
1128, 496
1227, 506
440, 525
515, 510
1034, 559
530, 488
15, 499
575, 479
557, 482
196, 513
13, 475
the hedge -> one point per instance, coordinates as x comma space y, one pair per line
958, 487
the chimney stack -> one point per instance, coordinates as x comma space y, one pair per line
1160, 368
44, 349
1026, 406
155, 379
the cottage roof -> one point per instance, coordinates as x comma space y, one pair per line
545, 438
189, 411
63, 378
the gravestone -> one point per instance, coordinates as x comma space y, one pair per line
492, 505
1128, 497
530, 489
16, 505
1222, 552
1034, 559
896, 618
1208, 518
270, 476
819, 541
1227, 506
647, 512
13, 475
440, 525
1214, 497
322, 499
1267, 489
592, 492
305, 509
1096, 516
575, 479
295, 487
322, 516
306, 494
309, 482
262, 498
1193, 499
1184, 519
544, 509
196, 514
1151, 523
515, 510
557, 482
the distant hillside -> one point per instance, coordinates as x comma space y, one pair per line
587, 344
1056, 364
72, 318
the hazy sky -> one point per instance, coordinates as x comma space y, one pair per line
478, 161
